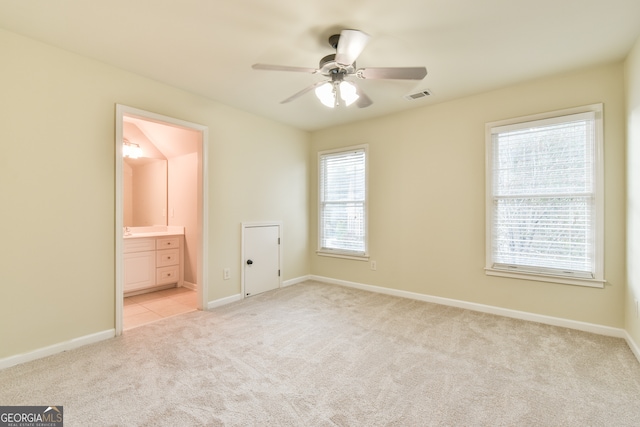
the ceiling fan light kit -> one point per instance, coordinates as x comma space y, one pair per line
349, 44
330, 94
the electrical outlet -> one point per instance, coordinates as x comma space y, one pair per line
374, 265
226, 274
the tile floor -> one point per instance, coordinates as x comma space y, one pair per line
147, 308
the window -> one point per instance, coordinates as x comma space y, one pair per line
544, 197
342, 202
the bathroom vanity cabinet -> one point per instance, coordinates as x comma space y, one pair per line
151, 262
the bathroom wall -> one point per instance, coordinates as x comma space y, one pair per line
183, 205
127, 194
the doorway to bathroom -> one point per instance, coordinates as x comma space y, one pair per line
161, 212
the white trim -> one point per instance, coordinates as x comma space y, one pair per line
592, 110
506, 312
547, 119
634, 346
57, 348
203, 222
189, 285
119, 223
539, 277
224, 301
326, 252
295, 281
337, 253
202, 208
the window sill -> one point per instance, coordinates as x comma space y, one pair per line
343, 255
592, 283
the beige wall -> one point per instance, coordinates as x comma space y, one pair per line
427, 199
183, 208
632, 72
57, 183
427, 213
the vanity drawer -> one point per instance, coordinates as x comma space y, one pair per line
167, 257
168, 243
167, 275
139, 245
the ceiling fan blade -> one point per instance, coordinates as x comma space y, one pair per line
399, 73
350, 46
303, 91
283, 68
363, 101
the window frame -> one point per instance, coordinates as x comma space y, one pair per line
597, 280
339, 253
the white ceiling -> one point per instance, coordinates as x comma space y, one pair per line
208, 46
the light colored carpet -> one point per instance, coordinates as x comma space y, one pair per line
321, 355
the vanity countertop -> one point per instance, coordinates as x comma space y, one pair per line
153, 231
152, 234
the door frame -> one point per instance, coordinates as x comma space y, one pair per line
245, 225
202, 208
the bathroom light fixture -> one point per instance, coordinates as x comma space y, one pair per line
131, 150
330, 93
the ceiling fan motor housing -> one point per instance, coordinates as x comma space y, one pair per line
333, 40
328, 66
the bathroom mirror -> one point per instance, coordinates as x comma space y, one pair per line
145, 192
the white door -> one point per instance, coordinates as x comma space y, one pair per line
261, 250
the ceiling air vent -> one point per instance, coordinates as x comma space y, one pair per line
418, 95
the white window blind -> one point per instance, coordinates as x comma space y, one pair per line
342, 219
543, 213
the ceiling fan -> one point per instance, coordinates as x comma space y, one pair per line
341, 66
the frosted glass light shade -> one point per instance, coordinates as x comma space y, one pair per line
326, 95
348, 93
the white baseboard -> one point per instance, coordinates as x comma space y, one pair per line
635, 348
56, 348
515, 314
224, 301
522, 315
555, 321
189, 285
233, 298
295, 281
